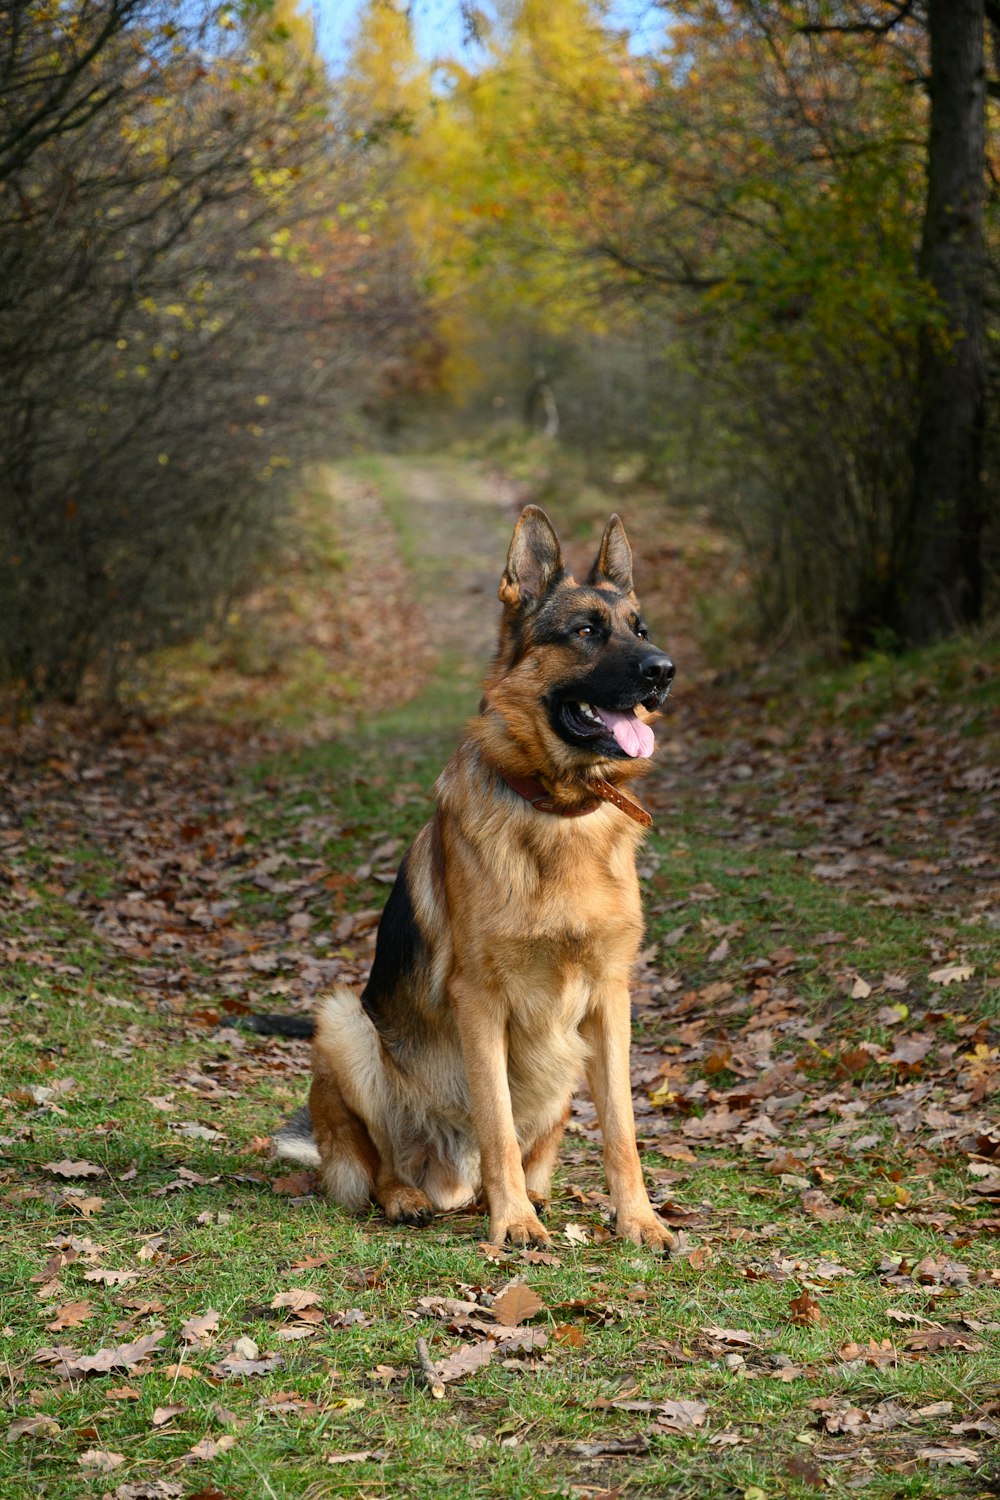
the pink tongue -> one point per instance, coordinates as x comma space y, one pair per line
635, 737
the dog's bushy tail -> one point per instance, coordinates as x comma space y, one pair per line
294, 1140
272, 1024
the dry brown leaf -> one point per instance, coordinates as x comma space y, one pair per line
100, 1460
296, 1298
516, 1304
110, 1278
70, 1315
465, 1360
210, 1448
680, 1416
295, 1185
66, 1168
805, 1312
69, 1363
948, 1455
840, 1416
541, 1258
932, 1340
85, 1207
952, 974
818, 1206
571, 1335
730, 1335
33, 1427
677, 1153
200, 1329
235, 1365
164, 1414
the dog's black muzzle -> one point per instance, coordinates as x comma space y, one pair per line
658, 670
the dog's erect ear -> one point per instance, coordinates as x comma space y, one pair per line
533, 562
613, 563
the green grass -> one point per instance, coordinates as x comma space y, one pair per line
229, 1242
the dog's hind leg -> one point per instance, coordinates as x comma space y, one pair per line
353, 1170
350, 1164
539, 1163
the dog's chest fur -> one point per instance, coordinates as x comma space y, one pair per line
548, 909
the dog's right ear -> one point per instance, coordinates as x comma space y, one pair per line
534, 561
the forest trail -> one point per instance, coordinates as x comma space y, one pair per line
455, 524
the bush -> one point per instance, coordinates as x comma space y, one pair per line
187, 301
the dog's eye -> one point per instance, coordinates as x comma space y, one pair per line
587, 630
642, 632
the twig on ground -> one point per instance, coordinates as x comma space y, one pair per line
430, 1374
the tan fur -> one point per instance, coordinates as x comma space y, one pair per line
530, 924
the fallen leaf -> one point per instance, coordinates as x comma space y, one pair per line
200, 1329
164, 1414
932, 1340
295, 1185
67, 1168
680, 1416
466, 1359
818, 1206
730, 1335
805, 1312
296, 1298
952, 974
70, 1315
210, 1448
110, 1278
609, 1446
516, 1304
33, 1427
69, 1363
101, 1460
948, 1455
235, 1365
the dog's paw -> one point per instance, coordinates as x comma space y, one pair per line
408, 1205
539, 1204
519, 1229
646, 1231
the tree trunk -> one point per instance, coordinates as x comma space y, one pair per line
945, 574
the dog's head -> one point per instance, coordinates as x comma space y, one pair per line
576, 675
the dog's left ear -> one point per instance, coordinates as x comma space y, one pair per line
533, 562
613, 563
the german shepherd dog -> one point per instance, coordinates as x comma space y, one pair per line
502, 962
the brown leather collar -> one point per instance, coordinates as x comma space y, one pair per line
532, 791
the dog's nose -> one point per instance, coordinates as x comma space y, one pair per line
658, 670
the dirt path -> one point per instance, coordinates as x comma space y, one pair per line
455, 523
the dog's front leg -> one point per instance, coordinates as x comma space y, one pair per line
482, 1027
607, 1028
